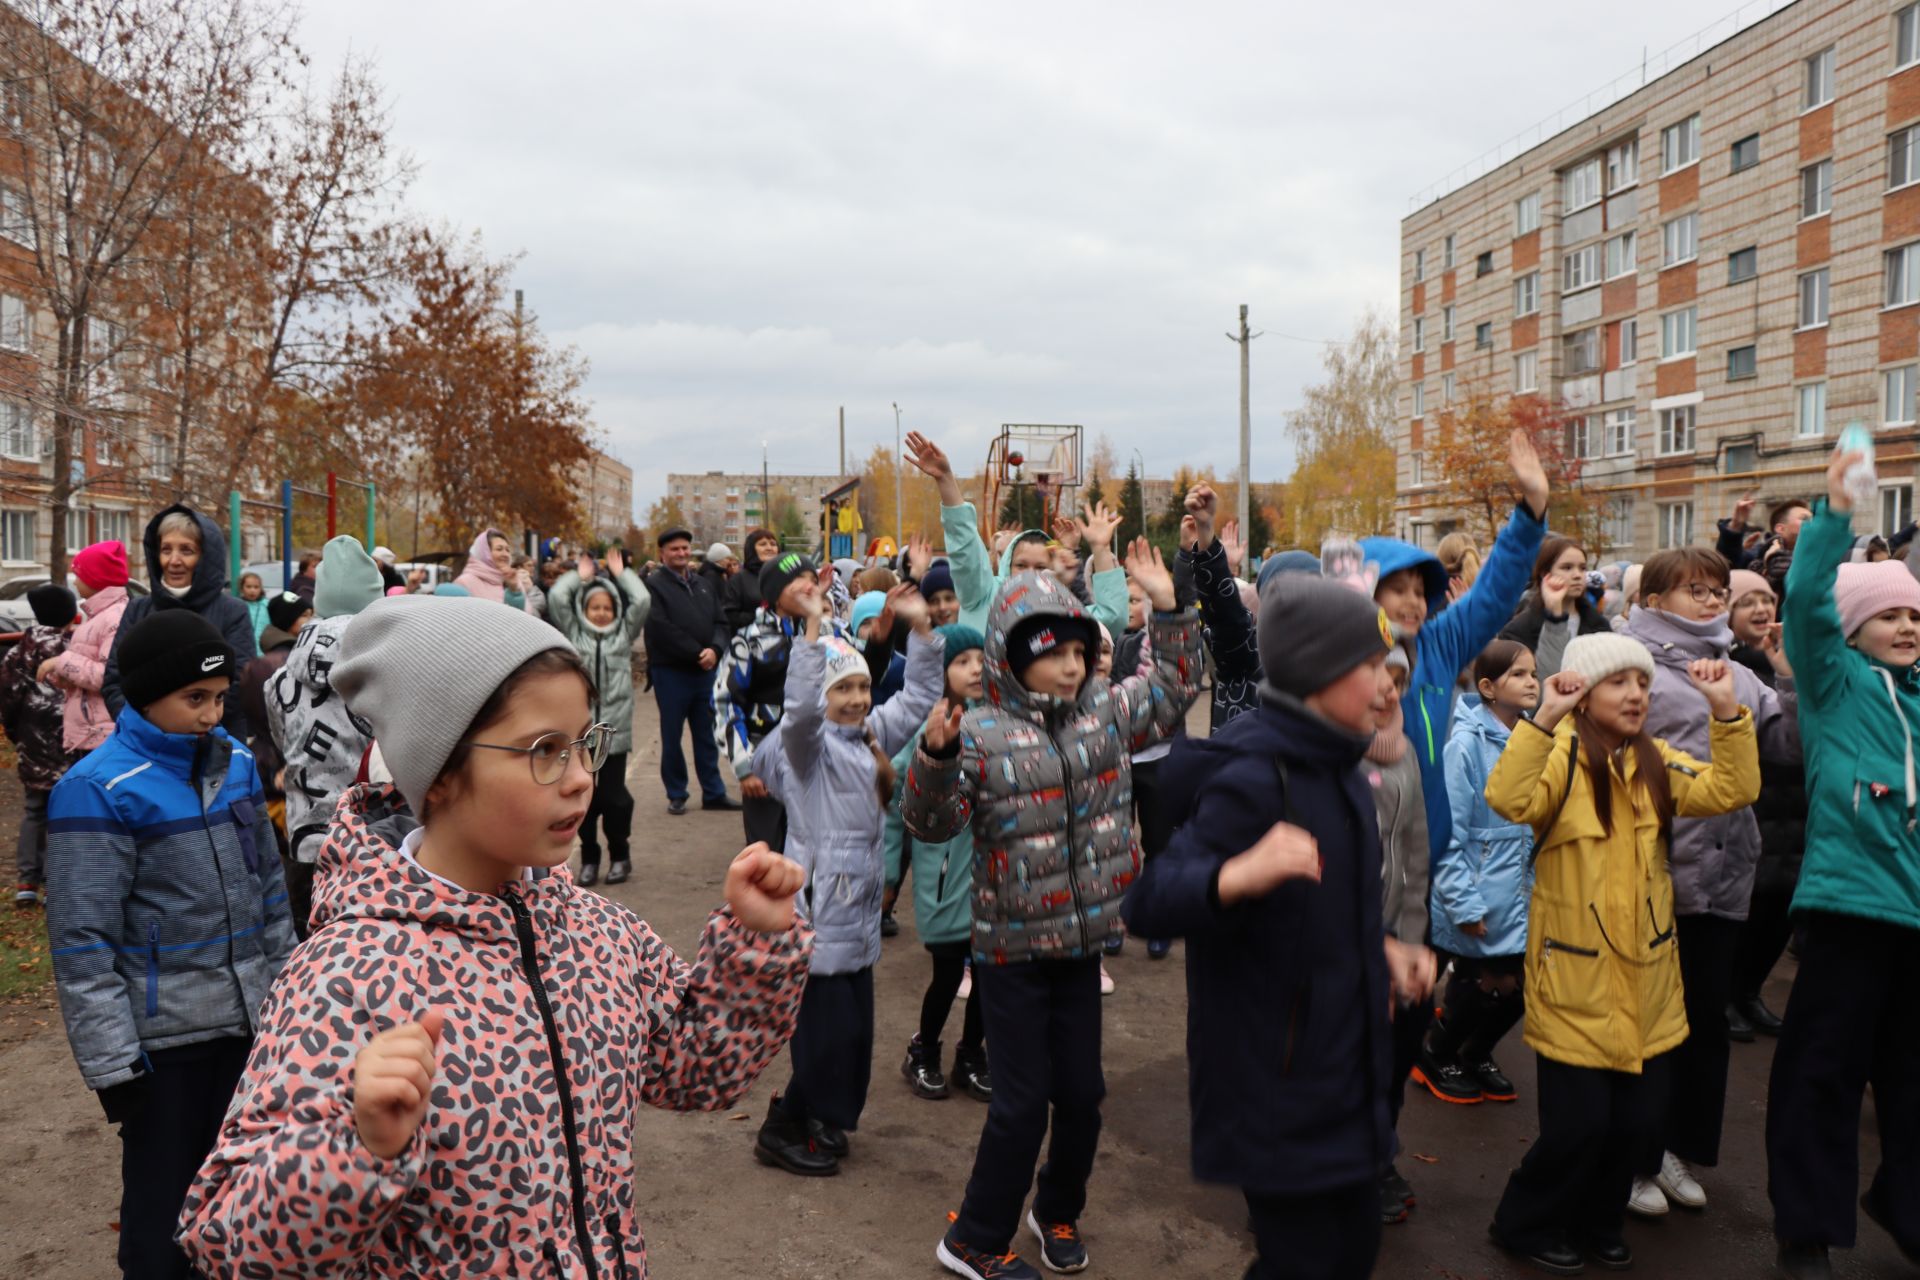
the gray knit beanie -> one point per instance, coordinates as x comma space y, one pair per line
1313, 631
419, 668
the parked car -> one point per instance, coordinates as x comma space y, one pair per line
16, 614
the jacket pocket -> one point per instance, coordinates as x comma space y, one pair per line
1574, 982
244, 815
153, 969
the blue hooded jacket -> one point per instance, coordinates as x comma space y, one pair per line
1452, 639
1485, 872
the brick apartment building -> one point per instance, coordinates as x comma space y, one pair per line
722, 506
606, 484
1713, 276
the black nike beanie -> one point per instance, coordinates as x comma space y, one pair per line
168, 650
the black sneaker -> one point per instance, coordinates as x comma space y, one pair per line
1115, 943
964, 1260
1804, 1262
922, 1070
589, 875
1739, 1030
723, 802
1493, 1082
1393, 1203
620, 871
1400, 1186
1060, 1247
1159, 949
970, 1069
677, 807
889, 927
1558, 1259
1446, 1080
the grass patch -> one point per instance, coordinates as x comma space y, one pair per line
26, 968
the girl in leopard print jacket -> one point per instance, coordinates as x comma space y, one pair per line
446, 1075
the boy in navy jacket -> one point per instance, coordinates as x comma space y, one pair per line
1274, 880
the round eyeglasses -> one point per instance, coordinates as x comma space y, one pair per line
547, 757
1702, 593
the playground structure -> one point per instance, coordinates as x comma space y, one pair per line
237, 503
1043, 457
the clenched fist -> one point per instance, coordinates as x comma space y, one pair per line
1285, 853
393, 1084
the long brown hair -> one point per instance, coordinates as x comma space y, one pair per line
1649, 767
1550, 551
883, 775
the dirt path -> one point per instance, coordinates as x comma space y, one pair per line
710, 1212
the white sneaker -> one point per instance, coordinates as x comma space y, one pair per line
1647, 1199
1677, 1180
1106, 980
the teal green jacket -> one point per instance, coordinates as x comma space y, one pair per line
975, 577
942, 873
1858, 721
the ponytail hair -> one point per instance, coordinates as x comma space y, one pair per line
1650, 768
883, 775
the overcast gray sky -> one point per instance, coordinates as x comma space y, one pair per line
748, 214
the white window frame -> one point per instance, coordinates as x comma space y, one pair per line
1810, 410
1903, 157
76, 528
17, 525
116, 524
1446, 322
1680, 145
1902, 275
1899, 392
1416, 470
1588, 337
1629, 341
1526, 294
1821, 174
1526, 372
17, 432
1906, 37
16, 221
1677, 431
1580, 185
1675, 524
1621, 426
1680, 333
1419, 399
1581, 268
1485, 327
1616, 526
1582, 439
1419, 265
1813, 300
1526, 214
16, 322
1419, 333
1680, 240
1447, 386
1623, 165
1622, 255
1817, 87
1447, 253
1901, 515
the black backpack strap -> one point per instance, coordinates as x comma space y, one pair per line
1573, 764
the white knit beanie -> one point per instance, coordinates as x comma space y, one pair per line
419, 668
1600, 654
843, 662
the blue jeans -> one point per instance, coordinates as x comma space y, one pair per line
686, 698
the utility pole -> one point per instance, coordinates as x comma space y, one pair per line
899, 536
1245, 340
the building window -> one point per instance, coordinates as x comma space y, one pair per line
1483, 265
1906, 36
1483, 336
1419, 265
1621, 255
1446, 324
1743, 264
1617, 524
1580, 186
1677, 333
1620, 424
1580, 269
16, 323
1680, 144
1580, 438
1580, 352
1419, 333
17, 536
1746, 152
1903, 157
1676, 524
16, 430
1526, 371
1903, 275
1816, 189
1526, 294
1899, 386
102, 446
1418, 470
160, 452
1742, 362
1446, 389
1896, 508
76, 529
16, 220
1681, 239
1819, 80
1446, 254
1813, 299
1810, 409
1629, 341
1526, 214
1419, 399
115, 526
1623, 165
1676, 431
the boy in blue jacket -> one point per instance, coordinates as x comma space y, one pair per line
1413, 587
167, 917
1291, 976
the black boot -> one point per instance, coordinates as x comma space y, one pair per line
1758, 1016
1739, 1030
829, 1139
785, 1143
589, 875
922, 1070
970, 1069
619, 871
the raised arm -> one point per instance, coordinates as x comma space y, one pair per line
1155, 703
937, 796
1529, 782
1810, 620
895, 722
1458, 635
1732, 780
803, 719
967, 557
560, 611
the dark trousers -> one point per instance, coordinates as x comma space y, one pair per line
1479, 1013
1410, 1023
612, 807
685, 699
1043, 1020
1763, 939
1849, 1022
299, 878
1328, 1235
764, 818
832, 1049
163, 1144
1697, 1094
949, 966
1157, 819
1572, 1185
30, 854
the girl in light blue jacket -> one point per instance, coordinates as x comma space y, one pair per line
827, 761
1480, 890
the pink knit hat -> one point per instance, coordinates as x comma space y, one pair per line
102, 565
1745, 582
1863, 590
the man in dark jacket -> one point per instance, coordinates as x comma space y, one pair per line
1274, 881
1773, 555
685, 638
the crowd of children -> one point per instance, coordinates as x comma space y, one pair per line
1442, 795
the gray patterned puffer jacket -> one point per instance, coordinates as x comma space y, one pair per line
1047, 787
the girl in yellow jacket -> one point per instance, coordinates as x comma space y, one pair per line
1602, 976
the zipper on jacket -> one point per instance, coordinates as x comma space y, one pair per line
551, 1252
619, 1247
153, 968
1659, 935
530, 961
1073, 886
1551, 945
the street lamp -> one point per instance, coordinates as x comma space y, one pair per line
898, 535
